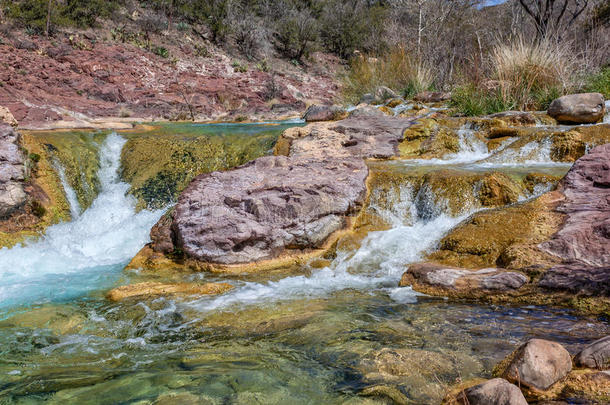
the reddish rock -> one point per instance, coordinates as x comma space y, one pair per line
496, 391
66, 83
324, 113
432, 96
595, 355
537, 364
578, 279
260, 210
584, 239
468, 282
12, 171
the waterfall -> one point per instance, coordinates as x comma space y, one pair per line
85, 254
75, 208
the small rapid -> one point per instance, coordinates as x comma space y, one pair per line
378, 263
85, 254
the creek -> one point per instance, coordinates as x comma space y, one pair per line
302, 337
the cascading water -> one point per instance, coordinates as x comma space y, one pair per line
85, 254
75, 208
378, 263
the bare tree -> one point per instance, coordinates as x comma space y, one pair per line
550, 16
48, 25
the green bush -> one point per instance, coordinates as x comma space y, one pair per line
600, 82
296, 34
161, 51
470, 101
32, 14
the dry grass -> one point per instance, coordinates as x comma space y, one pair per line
397, 69
528, 73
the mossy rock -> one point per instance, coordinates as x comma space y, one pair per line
505, 237
160, 166
78, 154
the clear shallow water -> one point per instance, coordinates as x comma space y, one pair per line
295, 339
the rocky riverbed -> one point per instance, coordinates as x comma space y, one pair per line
387, 254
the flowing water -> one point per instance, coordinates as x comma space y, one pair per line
307, 337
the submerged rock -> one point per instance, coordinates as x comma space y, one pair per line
538, 364
12, 172
151, 289
595, 355
584, 108
422, 374
424, 276
496, 391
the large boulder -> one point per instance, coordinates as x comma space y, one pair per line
595, 355
585, 236
12, 171
363, 136
537, 364
584, 108
497, 391
264, 208
324, 113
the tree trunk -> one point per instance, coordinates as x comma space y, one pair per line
48, 18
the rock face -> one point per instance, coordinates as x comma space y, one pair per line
263, 208
12, 171
585, 108
497, 391
585, 236
110, 79
430, 275
324, 113
578, 279
595, 355
537, 364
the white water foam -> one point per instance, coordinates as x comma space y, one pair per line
75, 208
84, 254
378, 263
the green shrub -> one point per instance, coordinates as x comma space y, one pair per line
239, 67
296, 34
600, 82
161, 51
471, 101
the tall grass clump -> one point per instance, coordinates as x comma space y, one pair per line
396, 69
520, 76
529, 74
